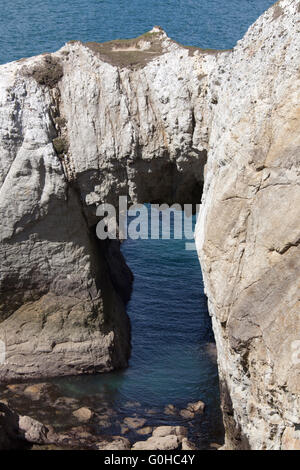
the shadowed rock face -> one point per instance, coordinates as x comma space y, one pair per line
99, 124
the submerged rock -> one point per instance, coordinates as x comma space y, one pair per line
134, 423
170, 410
162, 431
83, 414
32, 430
187, 445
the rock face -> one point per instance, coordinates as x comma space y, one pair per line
141, 118
248, 232
81, 127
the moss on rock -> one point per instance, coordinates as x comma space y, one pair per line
49, 72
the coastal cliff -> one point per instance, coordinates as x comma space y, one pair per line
248, 233
155, 120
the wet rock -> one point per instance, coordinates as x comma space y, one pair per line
291, 439
192, 409
124, 429
186, 414
16, 388
144, 431
163, 431
151, 411
115, 443
215, 446
197, 407
40, 391
83, 414
170, 410
158, 443
66, 402
79, 437
134, 423
32, 430
132, 404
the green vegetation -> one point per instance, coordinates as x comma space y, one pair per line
47, 73
60, 145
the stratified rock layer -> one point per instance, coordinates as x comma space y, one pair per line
140, 118
248, 233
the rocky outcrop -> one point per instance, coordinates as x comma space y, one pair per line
248, 233
141, 117
80, 127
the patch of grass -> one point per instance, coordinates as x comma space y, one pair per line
129, 52
49, 72
60, 145
277, 11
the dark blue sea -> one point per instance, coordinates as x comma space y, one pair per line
173, 360
30, 27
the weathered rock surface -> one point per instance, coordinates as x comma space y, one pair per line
170, 442
77, 130
83, 414
134, 423
92, 122
248, 232
165, 438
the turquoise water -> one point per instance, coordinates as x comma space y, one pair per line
173, 353
29, 27
172, 356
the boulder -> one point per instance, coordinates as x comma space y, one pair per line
83, 414
170, 442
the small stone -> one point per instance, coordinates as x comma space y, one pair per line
116, 443
158, 443
197, 407
215, 446
16, 388
83, 414
186, 414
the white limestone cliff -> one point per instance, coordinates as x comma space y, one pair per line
141, 117
248, 233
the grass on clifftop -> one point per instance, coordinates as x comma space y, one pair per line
129, 52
